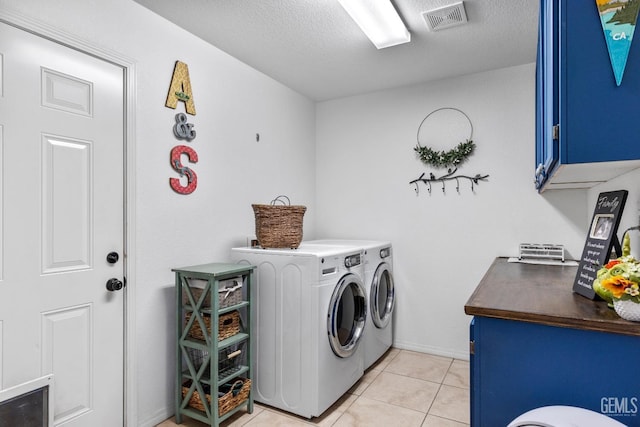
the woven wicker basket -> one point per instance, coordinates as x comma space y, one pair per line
230, 399
230, 293
279, 226
228, 325
237, 394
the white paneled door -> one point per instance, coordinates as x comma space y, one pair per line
61, 208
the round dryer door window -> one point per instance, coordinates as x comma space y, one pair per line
382, 296
347, 315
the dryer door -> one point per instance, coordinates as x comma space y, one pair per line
382, 296
347, 315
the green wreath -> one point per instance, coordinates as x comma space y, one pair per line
445, 159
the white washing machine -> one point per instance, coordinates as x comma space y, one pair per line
378, 279
309, 316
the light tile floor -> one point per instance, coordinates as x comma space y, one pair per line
403, 388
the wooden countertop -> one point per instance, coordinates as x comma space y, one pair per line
542, 294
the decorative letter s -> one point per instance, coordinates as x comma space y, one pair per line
176, 164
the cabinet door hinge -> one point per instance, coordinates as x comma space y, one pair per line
555, 132
472, 347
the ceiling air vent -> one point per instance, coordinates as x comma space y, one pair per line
445, 17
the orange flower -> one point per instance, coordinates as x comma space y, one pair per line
612, 263
616, 285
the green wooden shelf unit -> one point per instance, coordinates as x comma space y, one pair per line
213, 341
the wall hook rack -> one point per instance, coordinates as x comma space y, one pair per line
449, 176
441, 159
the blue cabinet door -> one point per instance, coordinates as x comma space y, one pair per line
519, 366
576, 89
474, 378
600, 118
547, 85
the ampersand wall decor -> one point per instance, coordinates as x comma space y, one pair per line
450, 159
180, 91
182, 129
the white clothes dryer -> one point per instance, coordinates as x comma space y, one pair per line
378, 279
309, 315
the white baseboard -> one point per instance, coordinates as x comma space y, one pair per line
437, 351
158, 417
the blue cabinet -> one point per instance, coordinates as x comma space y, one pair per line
587, 127
536, 343
518, 366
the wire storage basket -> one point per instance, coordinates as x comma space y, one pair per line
230, 359
279, 224
197, 356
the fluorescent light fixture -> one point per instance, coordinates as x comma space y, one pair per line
379, 20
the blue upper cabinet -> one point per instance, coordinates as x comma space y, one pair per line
587, 127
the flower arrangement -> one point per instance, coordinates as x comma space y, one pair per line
618, 283
622, 282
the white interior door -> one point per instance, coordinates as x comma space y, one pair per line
61, 207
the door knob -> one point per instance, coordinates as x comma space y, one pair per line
114, 284
112, 257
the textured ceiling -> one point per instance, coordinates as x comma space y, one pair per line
315, 48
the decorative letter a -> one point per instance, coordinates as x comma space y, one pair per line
180, 89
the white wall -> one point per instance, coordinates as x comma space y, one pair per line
233, 102
443, 243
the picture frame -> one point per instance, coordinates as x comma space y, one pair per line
601, 226
601, 240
